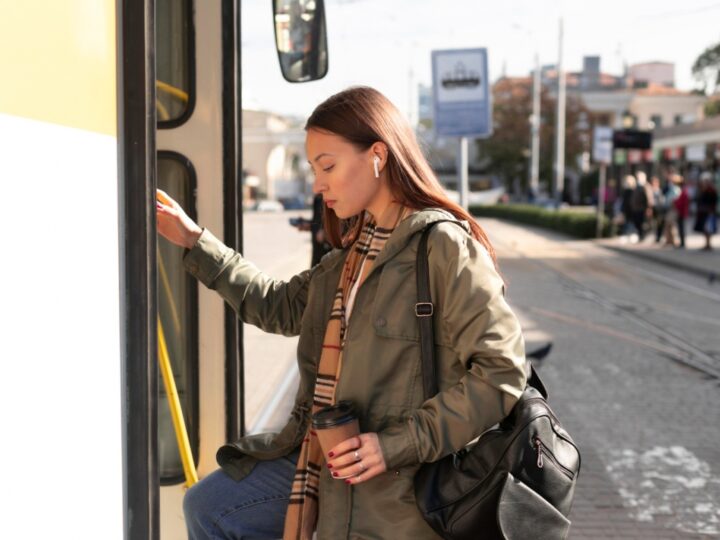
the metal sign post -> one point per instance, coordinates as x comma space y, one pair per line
602, 153
462, 166
461, 101
601, 199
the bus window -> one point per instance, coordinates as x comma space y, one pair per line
300, 39
175, 82
178, 312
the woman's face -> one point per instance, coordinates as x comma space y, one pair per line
343, 174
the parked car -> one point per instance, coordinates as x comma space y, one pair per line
297, 202
268, 205
476, 198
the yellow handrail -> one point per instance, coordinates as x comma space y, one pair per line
168, 291
163, 113
191, 477
172, 90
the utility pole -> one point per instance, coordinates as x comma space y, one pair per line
560, 143
411, 104
535, 133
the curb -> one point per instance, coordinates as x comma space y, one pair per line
702, 272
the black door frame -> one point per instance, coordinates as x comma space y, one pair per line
232, 204
136, 124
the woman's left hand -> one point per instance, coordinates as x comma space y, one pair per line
357, 459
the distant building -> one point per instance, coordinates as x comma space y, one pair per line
690, 147
642, 98
274, 158
591, 78
644, 108
653, 73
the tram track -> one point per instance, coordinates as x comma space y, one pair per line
687, 353
671, 345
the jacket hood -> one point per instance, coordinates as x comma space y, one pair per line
405, 230
411, 225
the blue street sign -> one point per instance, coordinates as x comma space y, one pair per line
461, 93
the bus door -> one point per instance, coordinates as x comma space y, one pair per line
199, 163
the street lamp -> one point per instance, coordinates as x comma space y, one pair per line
628, 120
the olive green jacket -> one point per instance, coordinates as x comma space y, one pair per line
480, 356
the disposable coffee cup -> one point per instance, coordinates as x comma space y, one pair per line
334, 424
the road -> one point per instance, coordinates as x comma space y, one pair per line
633, 374
281, 251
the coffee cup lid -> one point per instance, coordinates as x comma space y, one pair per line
334, 415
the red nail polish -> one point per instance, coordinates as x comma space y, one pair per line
329, 465
331, 454
348, 482
335, 474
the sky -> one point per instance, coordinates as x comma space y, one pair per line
387, 44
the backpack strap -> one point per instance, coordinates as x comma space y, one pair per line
424, 311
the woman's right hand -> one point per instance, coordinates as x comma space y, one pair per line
174, 224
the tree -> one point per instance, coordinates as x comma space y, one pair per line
507, 152
706, 68
712, 107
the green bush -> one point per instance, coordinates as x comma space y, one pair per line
577, 223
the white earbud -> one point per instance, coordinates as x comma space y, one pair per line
376, 166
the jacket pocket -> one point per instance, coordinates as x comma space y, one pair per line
393, 313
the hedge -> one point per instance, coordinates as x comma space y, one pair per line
577, 223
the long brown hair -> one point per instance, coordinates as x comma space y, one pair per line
363, 116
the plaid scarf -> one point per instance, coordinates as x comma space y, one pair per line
302, 513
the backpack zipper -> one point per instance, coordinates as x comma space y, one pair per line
543, 452
539, 450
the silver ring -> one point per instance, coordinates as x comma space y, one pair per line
357, 456
362, 467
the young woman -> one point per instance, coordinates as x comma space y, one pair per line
359, 340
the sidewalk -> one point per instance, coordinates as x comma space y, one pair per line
692, 259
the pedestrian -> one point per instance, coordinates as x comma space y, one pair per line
682, 206
610, 195
318, 241
626, 203
355, 315
640, 204
706, 216
671, 217
320, 245
659, 208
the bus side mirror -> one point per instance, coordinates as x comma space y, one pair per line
301, 39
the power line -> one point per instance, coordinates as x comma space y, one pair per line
682, 12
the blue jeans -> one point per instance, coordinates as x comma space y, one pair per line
219, 507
